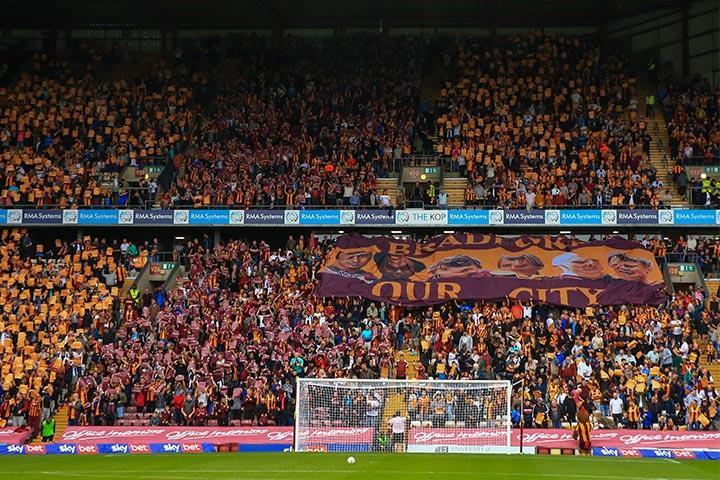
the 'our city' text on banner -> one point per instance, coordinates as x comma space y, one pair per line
555, 270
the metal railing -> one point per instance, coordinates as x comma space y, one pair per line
701, 196
172, 278
663, 264
661, 146
140, 278
159, 257
141, 163
701, 280
699, 160
681, 257
431, 160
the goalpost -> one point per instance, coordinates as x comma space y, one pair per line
453, 416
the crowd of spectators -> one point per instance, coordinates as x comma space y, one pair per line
309, 122
533, 121
69, 124
225, 346
692, 110
633, 367
55, 298
704, 250
693, 114
544, 120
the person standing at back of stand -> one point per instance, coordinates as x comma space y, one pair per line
47, 429
650, 105
442, 199
134, 293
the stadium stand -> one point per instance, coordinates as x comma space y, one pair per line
533, 121
598, 150
67, 133
270, 239
223, 347
691, 109
525, 138
59, 303
274, 135
315, 122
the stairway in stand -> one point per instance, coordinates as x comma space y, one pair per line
660, 154
391, 185
61, 424
712, 285
713, 368
125, 287
393, 403
455, 188
661, 158
411, 359
396, 401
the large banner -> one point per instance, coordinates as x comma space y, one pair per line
616, 443
562, 438
214, 435
673, 439
546, 269
144, 440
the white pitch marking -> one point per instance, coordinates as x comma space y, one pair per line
190, 474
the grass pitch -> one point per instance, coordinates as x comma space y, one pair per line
320, 466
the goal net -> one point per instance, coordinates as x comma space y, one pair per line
348, 415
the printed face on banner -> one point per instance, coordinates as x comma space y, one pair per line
475, 266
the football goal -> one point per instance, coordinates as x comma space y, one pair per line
454, 416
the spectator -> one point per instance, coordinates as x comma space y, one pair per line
48, 429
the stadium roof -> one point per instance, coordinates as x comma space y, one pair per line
320, 13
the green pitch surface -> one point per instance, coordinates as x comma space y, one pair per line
319, 466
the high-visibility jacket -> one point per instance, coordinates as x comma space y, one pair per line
48, 427
135, 294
